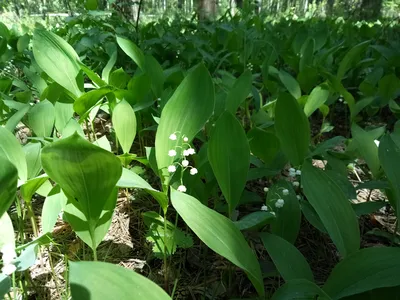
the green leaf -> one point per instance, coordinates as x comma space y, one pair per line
289, 261
294, 136
85, 172
155, 72
32, 154
8, 183
110, 64
12, 150
288, 217
317, 98
367, 148
92, 75
312, 216
29, 188
53, 54
351, 59
300, 289
364, 270
124, 122
220, 234
291, 84
229, 156
264, 145
84, 103
5, 285
389, 155
63, 113
72, 127
239, 91
91, 4
52, 206
100, 280
6, 231
130, 179
13, 121
132, 51
185, 113
306, 54
366, 208
119, 78
164, 239
333, 208
41, 118
254, 220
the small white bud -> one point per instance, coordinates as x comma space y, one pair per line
266, 189
171, 169
292, 170
193, 171
264, 208
186, 153
158, 99
182, 188
171, 153
298, 197
296, 183
185, 139
279, 203
298, 172
191, 151
185, 162
172, 137
285, 192
273, 213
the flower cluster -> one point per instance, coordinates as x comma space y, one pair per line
8, 252
293, 172
186, 151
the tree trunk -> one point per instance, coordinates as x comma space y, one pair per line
206, 9
371, 9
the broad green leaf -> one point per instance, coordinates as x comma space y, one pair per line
289, 261
367, 208
85, 172
333, 208
307, 54
89, 231
317, 98
288, 217
104, 143
52, 206
239, 91
291, 84
100, 280
389, 156
367, 148
229, 156
220, 234
29, 188
340, 89
300, 289
13, 121
254, 220
5, 285
124, 122
63, 113
292, 128
351, 59
6, 231
12, 150
27, 258
84, 103
155, 72
263, 144
32, 154
132, 51
8, 184
72, 127
41, 118
119, 78
110, 64
130, 179
364, 270
91, 4
53, 54
92, 75
185, 113
312, 216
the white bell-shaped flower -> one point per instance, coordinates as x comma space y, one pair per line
185, 162
171, 153
171, 169
279, 203
182, 188
264, 208
285, 192
193, 171
173, 137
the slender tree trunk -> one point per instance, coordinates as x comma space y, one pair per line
207, 9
